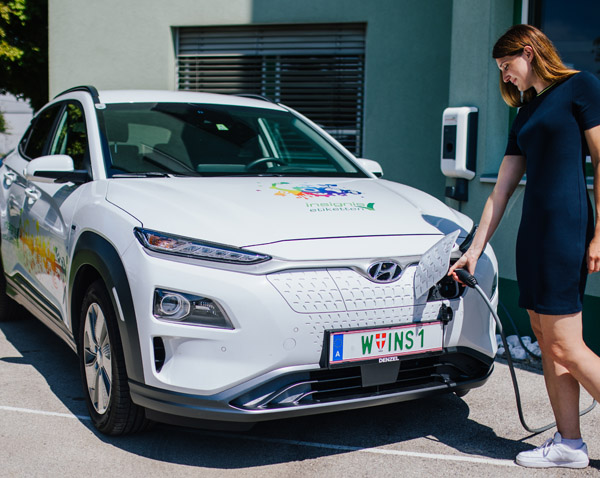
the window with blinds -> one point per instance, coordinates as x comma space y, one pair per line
316, 69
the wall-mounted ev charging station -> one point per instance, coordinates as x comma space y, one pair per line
459, 149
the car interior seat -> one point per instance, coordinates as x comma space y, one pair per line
124, 156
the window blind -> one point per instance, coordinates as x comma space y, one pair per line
316, 69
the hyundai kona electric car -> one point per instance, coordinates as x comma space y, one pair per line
219, 259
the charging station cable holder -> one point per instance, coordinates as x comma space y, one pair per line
460, 190
459, 149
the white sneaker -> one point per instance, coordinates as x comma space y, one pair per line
554, 453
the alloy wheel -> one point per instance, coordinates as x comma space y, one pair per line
97, 357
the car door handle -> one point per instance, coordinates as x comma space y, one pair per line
9, 178
32, 195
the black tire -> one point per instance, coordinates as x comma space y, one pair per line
102, 367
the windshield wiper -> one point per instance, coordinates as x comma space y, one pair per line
149, 174
272, 173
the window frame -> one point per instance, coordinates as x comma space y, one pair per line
58, 123
24, 143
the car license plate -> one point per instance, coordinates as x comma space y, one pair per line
385, 345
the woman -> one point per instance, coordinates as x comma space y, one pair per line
557, 244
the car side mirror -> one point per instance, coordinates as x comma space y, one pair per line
56, 168
372, 166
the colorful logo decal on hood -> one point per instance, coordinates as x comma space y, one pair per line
340, 206
312, 191
318, 191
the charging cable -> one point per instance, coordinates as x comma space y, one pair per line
471, 282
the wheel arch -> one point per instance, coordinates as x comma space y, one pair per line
96, 258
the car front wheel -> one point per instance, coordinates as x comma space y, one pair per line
102, 367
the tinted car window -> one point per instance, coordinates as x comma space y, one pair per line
71, 135
201, 139
23, 143
41, 131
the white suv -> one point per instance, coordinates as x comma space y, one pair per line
223, 259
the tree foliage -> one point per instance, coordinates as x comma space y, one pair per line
24, 49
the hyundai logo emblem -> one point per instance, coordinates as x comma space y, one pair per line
384, 272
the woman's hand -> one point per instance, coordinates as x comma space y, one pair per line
510, 173
593, 256
468, 261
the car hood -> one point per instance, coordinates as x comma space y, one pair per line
246, 212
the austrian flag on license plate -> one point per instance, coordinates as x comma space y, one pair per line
382, 344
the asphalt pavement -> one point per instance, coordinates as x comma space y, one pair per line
45, 430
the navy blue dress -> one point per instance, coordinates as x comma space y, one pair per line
557, 221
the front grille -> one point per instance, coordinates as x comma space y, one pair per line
334, 299
443, 372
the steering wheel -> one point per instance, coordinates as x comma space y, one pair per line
259, 161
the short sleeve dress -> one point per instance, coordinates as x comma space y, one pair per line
557, 221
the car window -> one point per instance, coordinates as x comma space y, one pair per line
23, 142
297, 142
40, 132
193, 139
71, 135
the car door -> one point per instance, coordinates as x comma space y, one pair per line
13, 186
48, 211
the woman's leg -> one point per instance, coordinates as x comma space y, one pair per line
564, 343
562, 387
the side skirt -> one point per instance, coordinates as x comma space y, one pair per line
21, 292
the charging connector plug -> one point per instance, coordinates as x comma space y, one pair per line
466, 278
445, 314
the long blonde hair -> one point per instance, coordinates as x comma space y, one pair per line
546, 62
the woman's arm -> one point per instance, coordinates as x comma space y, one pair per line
592, 137
511, 172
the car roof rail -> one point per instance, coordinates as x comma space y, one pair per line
90, 89
256, 97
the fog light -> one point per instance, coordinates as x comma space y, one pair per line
173, 306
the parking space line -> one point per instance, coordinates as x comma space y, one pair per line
379, 451
283, 441
42, 412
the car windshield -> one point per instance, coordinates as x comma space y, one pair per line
215, 140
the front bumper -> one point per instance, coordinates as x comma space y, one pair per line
271, 365
307, 392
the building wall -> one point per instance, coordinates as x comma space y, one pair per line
474, 82
113, 45
17, 115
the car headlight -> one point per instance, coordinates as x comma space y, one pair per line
172, 306
186, 247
